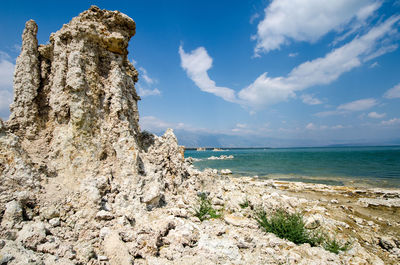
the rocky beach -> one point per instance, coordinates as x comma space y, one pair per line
81, 183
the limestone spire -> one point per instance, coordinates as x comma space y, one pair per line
26, 83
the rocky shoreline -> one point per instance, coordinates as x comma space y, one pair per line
82, 184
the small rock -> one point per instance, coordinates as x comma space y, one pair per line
104, 215
32, 234
104, 232
386, 243
5, 259
2, 244
226, 171
334, 201
12, 214
50, 213
54, 222
102, 258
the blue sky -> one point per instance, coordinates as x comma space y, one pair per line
248, 73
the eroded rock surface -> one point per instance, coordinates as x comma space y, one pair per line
81, 184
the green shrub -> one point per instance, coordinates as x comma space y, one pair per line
244, 204
291, 227
205, 210
288, 226
335, 246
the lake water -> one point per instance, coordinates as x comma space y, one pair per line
349, 166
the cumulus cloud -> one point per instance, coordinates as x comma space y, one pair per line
196, 64
6, 84
394, 121
267, 90
310, 100
394, 92
376, 115
308, 20
357, 105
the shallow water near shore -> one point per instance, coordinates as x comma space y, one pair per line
376, 166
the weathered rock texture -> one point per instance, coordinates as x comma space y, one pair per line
81, 184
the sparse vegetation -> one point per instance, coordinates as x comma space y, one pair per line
204, 210
334, 246
291, 227
244, 204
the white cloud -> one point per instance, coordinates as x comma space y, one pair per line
374, 64
381, 51
310, 100
254, 17
241, 125
196, 64
393, 121
152, 123
329, 113
358, 105
146, 76
376, 115
323, 70
394, 92
267, 90
143, 92
145, 82
311, 126
308, 20
6, 84
293, 54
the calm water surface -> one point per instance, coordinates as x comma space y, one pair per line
353, 166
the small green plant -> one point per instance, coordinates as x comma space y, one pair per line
291, 227
288, 226
205, 210
244, 204
335, 246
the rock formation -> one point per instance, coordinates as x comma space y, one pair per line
81, 184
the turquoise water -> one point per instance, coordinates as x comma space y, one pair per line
349, 166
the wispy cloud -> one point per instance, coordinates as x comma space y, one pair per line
308, 20
146, 76
310, 100
146, 83
374, 65
311, 126
394, 121
267, 90
293, 54
254, 17
324, 70
143, 92
196, 64
376, 115
357, 105
394, 92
